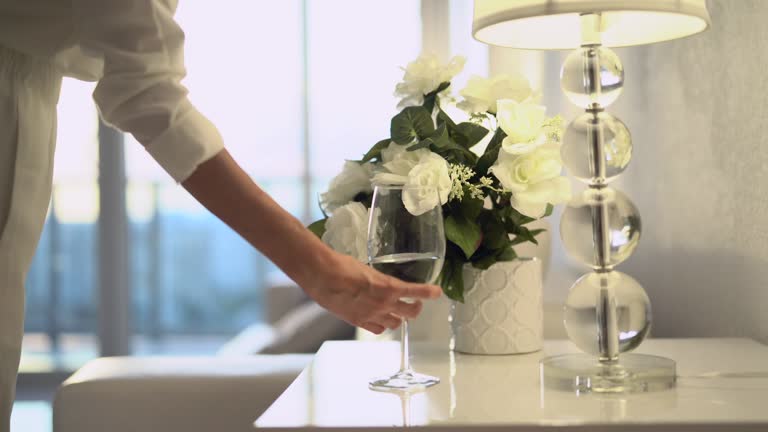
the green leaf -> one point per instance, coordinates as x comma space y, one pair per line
516, 218
452, 274
517, 240
485, 262
507, 254
440, 137
549, 210
526, 234
444, 118
375, 151
425, 143
411, 123
463, 233
457, 282
430, 98
471, 207
491, 153
445, 147
443, 85
494, 234
470, 133
318, 227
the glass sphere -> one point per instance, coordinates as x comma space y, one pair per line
577, 152
622, 227
592, 76
632, 308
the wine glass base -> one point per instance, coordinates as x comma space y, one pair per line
404, 381
633, 373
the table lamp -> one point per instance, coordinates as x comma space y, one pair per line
607, 313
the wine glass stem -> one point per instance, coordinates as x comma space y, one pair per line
405, 363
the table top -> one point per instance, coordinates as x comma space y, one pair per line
722, 386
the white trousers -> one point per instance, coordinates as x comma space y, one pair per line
29, 91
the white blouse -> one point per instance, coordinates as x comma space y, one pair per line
134, 49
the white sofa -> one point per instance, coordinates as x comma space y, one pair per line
130, 394
226, 392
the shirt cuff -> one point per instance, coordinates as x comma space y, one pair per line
192, 140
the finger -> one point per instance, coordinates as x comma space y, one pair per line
407, 310
422, 291
390, 321
373, 328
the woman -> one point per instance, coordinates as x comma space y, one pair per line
133, 48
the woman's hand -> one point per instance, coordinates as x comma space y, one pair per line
365, 297
353, 291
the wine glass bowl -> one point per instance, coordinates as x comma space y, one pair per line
410, 247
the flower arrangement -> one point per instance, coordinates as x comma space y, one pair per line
493, 173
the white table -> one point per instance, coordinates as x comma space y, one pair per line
722, 386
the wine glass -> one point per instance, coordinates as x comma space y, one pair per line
406, 242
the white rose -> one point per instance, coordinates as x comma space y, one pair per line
522, 122
353, 179
533, 178
423, 76
346, 231
397, 162
533, 201
481, 94
517, 172
428, 185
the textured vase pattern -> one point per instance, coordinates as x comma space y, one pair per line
502, 311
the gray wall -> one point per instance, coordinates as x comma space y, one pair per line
698, 112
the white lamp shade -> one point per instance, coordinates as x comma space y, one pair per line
556, 24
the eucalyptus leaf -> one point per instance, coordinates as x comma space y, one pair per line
411, 123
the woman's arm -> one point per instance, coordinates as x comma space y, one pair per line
141, 93
341, 284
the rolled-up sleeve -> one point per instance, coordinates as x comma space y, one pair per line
140, 91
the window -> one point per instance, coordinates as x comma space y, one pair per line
294, 89
195, 282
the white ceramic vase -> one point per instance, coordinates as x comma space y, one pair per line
502, 311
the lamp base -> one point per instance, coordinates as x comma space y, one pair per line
583, 373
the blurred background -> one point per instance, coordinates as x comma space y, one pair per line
293, 96
296, 87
